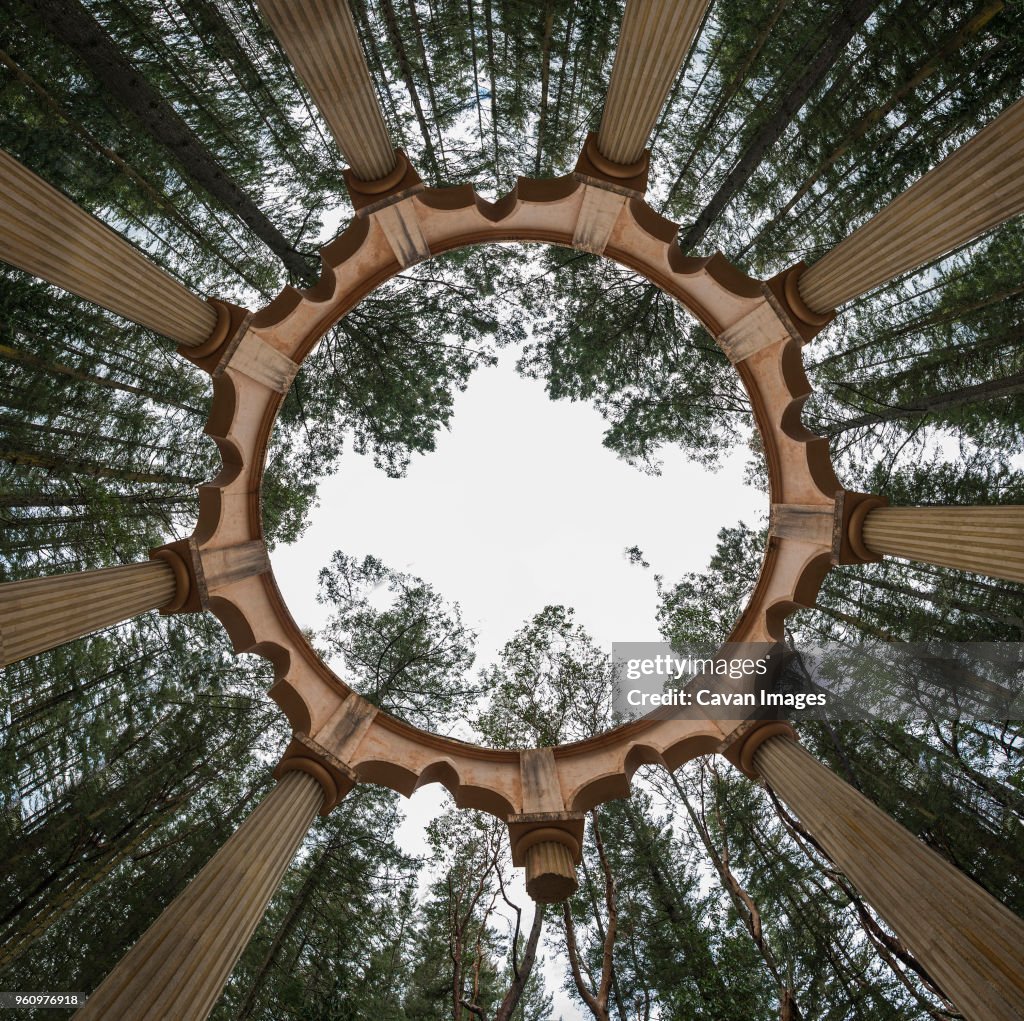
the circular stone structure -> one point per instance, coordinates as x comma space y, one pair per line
338, 736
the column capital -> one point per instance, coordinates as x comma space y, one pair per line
629, 179
201, 572
369, 196
748, 739
785, 290
848, 535
304, 755
183, 580
549, 845
546, 838
226, 332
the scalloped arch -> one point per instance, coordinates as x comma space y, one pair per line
255, 368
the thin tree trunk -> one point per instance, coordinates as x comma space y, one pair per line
725, 97
557, 129
596, 1007
990, 390
545, 74
160, 199
395, 37
494, 91
476, 74
94, 438
942, 601
954, 354
705, 970
745, 905
12, 354
521, 973
61, 466
428, 74
920, 323
64, 500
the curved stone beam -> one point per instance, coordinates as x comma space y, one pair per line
540, 790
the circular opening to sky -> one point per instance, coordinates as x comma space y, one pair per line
524, 502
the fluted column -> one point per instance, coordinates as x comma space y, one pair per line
179, 966
975, 188
320, 39
653, 42
550, 873
985, 540
968, 942
44, 233
40, 613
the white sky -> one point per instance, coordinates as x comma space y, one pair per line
521, 506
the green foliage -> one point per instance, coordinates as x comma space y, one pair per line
701, 608
624, 344
411, 657
386, 377
551, 685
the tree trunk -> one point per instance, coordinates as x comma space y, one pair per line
65, 500
696, 147
845, 28
545, 74
522, 972
428, 74
942, 601
990, 390
938, 357
494, 91
75, 26
61, 466
702, 964
395, 37
12, 354
745, 906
